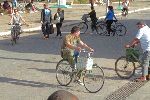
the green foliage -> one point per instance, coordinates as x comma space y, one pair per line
82, 1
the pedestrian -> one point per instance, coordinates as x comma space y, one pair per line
1, 9
110, 16
94, 19
71, 46
62, 95
142, 37
59, 18
14, 4
46, 18
6, 5
125, 8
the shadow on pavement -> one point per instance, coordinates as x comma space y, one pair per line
25, 82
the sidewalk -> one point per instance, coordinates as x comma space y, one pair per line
72, 15
142, 93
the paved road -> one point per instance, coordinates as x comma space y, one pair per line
27, 70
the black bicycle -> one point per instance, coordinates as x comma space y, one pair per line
15, 33
84, 25
117, 28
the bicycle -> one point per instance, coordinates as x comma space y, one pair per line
15, 33
117, 28
83, 25
125, 65
92, 74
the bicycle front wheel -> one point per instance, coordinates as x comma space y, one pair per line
64, 73
124, 68
121, 30
13, 37
83, 27
94, 79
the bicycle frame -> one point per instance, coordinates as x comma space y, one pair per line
131, 56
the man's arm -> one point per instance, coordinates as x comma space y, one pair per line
134, 42
86, 46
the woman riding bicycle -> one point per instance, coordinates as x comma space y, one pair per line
16, 20
109, 19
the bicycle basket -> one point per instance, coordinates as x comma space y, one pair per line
130, 52
85, 17
84, 63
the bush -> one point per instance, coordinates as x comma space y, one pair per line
82, 1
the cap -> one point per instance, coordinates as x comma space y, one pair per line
141, 23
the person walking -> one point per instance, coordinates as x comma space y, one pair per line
59, 18
110, 16
46, 18
94, 19
142, 37
125, 8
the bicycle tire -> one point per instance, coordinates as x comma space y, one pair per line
64, 71
127, 69
101, 29
94, 77
13, 37
83, 27
120, 30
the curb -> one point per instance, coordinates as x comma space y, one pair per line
39, 27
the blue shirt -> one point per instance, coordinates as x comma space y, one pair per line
110, 15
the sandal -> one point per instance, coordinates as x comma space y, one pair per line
140, 79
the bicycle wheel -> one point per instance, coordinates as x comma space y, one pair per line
13, 37
124, 68
121, 30
83, 27
64, 72
101, 29
94, 79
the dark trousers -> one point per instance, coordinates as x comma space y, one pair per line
109, 22
93, 25
58, 26
46, 29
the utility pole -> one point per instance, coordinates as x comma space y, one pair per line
107, 4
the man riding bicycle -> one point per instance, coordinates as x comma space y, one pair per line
71, 47
143, 37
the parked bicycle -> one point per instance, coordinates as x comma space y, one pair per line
117, 28
93, 75
15, 33
125, 65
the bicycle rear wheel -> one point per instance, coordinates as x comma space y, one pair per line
121, 30
124, 68
94, 79
101, 29
64, 72
83, 27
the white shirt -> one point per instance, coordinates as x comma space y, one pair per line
144, 36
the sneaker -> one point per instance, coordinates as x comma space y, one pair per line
141, 79
79, 82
